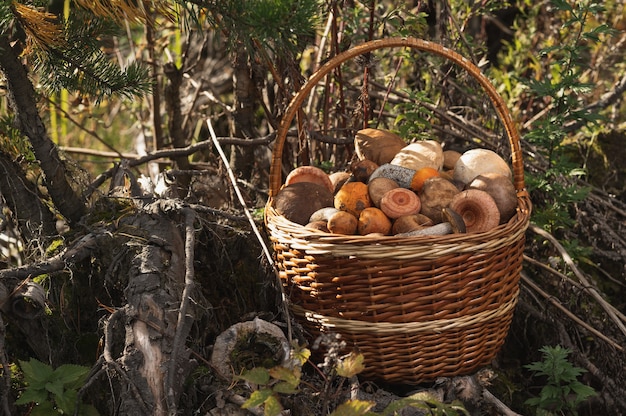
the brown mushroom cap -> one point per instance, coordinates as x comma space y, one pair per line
342, 222
501, 189
318, 225
410, 223
338, 179
435, 195
400, 201
362, 169
378, 187
450, 158
478, 210
379, 146
309, 174
298, 201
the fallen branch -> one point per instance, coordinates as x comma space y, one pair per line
569, 314
586, 285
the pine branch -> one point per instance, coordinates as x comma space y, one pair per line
79, 64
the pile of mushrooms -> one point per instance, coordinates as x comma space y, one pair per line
402, 189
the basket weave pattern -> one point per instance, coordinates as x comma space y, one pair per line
418, 308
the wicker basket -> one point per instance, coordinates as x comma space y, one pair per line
418, 308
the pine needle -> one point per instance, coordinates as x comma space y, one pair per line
121, 10
41, 27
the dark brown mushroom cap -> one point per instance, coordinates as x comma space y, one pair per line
298, 201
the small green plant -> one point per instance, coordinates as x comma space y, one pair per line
562, 392
53, 391
274, 381
279, 380
563, 86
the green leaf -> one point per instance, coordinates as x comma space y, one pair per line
272, 407
353, 408
72, 376
257, 375
56, 388
291, 376
36, 371
351, 365
257, 398
32, 396
582, 391
285, 388
44, 409
66, 402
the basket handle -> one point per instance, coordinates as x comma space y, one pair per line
275, 179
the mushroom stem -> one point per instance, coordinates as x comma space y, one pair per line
442, 228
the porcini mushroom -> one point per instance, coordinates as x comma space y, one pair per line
475, 162
362, 169
379, 146
309, 174
400, 201
450, 158
436, 194
319, 226
338, 179
408, 223
501, 189
299, 200
378, 187
418, 155
478, 210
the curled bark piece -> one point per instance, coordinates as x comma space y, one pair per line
255, 343
28, 301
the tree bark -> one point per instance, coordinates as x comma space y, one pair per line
22, 99
242, 157
175, 123
155, 358
34, 219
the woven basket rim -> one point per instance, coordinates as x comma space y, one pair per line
408, 328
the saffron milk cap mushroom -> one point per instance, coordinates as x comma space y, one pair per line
478, 210
400, 201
